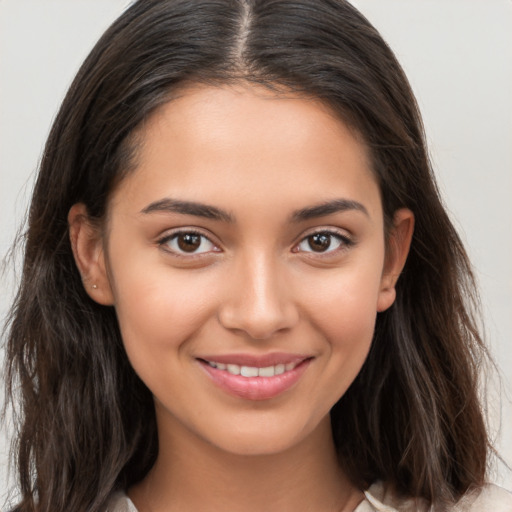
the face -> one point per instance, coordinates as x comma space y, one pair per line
245, 259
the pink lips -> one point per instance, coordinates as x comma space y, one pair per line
256, 388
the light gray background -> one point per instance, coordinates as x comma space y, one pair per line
458, 55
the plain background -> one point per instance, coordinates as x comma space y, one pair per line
458, 56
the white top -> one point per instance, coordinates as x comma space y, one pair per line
377, 499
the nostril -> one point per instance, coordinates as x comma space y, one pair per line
256, 327
258, 301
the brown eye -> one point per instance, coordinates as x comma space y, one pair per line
188, 242
319, 242
323, 242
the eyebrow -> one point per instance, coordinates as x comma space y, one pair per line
327, 208
188, 208
213, 213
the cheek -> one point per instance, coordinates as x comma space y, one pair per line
348, 322
344, 310
344, 301
160, 311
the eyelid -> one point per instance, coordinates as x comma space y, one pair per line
341, 235
163, 240
346, 241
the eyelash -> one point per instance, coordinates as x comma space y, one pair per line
164, 241
344, 243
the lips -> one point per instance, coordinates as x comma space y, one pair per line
255, 377
254, 371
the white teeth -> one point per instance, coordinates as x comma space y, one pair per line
253, 371
233, 369
279, 369
266, 372
248, 371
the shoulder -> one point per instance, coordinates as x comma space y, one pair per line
380, 499
119, 502
488, 498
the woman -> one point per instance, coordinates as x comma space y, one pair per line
240, 288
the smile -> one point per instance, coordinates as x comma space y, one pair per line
257, 379
254, 371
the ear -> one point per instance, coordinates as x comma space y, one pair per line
396, 254
87, 244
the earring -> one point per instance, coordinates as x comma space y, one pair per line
95, 286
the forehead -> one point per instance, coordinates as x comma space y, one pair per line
220, 143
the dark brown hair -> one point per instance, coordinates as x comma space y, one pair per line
86, 422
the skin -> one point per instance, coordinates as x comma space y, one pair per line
256, 285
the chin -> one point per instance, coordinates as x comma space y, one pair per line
256, 445
265, 438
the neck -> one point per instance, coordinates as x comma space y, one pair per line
191, 474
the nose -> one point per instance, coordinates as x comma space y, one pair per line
259, 302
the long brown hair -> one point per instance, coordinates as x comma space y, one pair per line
86, 425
